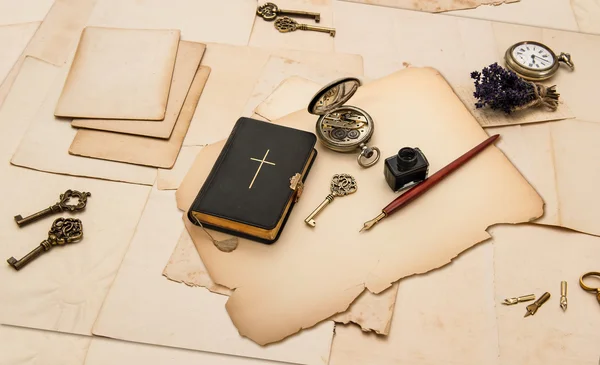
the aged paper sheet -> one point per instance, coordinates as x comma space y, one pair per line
26, 11
55, 38
587, 15
142, 150
445, 314
24, 346
176, 315
120, 74
169, 179
228, 91
188, 59
185, 266
433, 6
551, 336
227, 22
558, 159
278, 69
480, 185
494, 118
13, 39
45, 145
289, 96
69, 283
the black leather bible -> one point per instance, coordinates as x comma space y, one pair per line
257, 178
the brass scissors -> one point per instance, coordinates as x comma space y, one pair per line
587, 288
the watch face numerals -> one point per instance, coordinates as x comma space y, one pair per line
533, 57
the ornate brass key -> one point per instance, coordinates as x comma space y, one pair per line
341, 185
61, 206
63, 230
286, 25
270, 11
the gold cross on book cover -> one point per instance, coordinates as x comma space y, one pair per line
253, 199
263, 161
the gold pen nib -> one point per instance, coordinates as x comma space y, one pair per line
369, 224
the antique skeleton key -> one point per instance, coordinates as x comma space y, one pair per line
62, 205
286, 25
270, 11
63, 230
341, 185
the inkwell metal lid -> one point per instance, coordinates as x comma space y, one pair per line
333, 95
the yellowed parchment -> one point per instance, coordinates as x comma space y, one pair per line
433, 6
55, 38
288, 97
309, 297
45, 145
68, 283
552, 336
228, 90
120, 74
452, 307
13, 39
21, 346
25, 11
185, 266
227, 22
587, 14
176, 315
494, 118
558, 159
188, 59
169, 179
142, 150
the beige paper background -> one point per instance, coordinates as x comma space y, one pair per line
69, 283
361, 266
169, 179
25, 11
45, 145
289, 96
13, 39
187, 62
558, 159
448, 314
228, 90
551, 335
138, 149
23, 346
120, 74
180, 316
227, 22
56, 37
435, 6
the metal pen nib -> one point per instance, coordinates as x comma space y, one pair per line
532, 308
369, 224
563, 295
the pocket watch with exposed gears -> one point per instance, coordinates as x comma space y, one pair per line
340, 127
535, 61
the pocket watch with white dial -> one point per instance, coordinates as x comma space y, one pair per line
343, 128
535, 61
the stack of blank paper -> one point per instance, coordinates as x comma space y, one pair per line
133, 93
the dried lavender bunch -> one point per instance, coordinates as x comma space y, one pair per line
502, 89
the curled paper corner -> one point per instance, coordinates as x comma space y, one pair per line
267, 338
